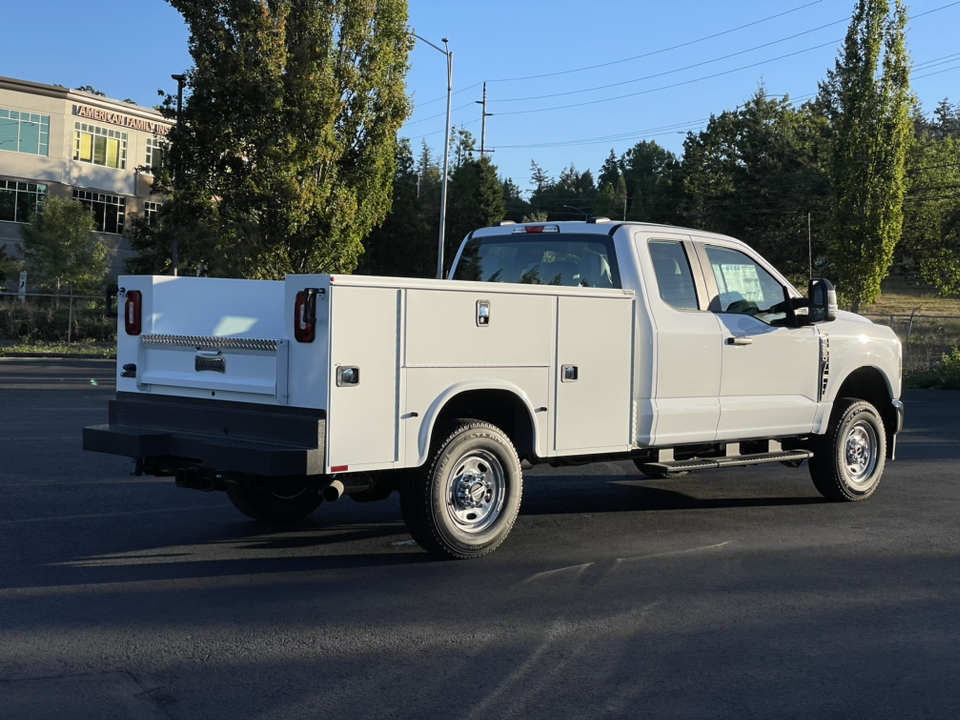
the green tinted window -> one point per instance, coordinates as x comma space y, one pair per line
19, 200
24, 132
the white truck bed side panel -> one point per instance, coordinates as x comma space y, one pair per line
594, 342
362, 418
309, 362
442, 329
428, 389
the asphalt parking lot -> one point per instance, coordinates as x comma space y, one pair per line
729, 594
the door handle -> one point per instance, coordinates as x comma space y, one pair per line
739, 340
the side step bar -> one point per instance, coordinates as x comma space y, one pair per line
729, 461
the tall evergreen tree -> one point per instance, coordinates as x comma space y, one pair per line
476, 201
868, 99
403, 245
289, 132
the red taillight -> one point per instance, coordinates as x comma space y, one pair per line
305, 316
132, 312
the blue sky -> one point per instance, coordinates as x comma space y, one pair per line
566, 81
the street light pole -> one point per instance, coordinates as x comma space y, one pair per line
585, 215
175, 245
446, 148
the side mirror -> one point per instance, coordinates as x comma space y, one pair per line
823, 301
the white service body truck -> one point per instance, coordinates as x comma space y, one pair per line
561, 343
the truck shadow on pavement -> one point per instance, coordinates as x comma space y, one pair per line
562, 495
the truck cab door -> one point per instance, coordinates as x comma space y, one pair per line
770, 368
686, 352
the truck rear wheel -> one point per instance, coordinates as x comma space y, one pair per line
280, 506
848, 461
463, 503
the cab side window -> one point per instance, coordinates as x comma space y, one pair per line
745, 288
674, 278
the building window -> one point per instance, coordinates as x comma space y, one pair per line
150, 210
108, 210
19, 201
100, 146
24, 132
155, 152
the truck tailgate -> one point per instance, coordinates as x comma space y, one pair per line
205, 337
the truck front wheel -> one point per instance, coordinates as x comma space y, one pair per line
463, 503
848, 460
280, 506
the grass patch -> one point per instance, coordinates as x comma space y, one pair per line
902, 295
80, 349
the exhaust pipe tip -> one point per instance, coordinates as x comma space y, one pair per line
333, 492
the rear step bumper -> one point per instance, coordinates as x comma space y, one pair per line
730, 461
223, 436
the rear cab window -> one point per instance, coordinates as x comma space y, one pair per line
674, 277
568, 260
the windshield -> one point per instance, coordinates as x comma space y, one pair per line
566, 260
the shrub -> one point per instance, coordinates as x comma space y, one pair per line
945, 375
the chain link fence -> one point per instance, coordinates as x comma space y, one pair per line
926, 338
58, 317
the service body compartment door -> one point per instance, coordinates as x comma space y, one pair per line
364, 379
595, 341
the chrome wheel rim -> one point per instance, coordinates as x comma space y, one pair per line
860, 453
475, 491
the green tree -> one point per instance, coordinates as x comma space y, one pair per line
756, 173
612, 200
7, 265
476, 201
516, 207
403, 245
648, 172
287, 139
611, 170
931, 228
867, 96
58, 248
570, 197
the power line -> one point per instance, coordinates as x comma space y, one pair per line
656, 52
674, 85
675, 70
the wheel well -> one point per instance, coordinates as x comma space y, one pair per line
497, 407
868, 383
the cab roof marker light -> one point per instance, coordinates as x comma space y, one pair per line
534, 229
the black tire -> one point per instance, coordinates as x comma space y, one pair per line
848, 460
286, 505
464, 501
659, 475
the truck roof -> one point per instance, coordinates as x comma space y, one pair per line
598, 226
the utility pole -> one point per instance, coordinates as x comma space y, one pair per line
175, 247
483, 121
